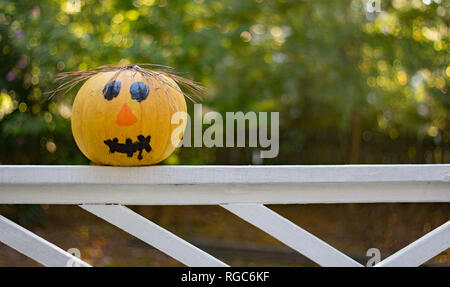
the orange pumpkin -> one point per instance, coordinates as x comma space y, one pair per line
123, 117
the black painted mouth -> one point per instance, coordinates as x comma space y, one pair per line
130, 147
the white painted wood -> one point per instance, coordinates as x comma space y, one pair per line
421, 250
199, 185
291, 235
212, 194
153, 234
197, 174
35, 247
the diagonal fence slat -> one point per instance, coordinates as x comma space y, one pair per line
421, 250
35, 247
153, 234
291, 235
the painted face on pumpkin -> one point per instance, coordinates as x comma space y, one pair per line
139, 91
125, 119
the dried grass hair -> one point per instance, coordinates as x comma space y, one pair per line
152, 72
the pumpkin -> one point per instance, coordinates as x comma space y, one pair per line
123, 116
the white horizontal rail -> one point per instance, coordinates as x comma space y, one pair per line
153, 234
421, 250
292, 235
200, 185
35, 247
216, 174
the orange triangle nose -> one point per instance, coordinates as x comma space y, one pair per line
125, 117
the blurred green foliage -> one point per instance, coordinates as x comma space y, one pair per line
350, 86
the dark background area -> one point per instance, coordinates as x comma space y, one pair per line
350, 86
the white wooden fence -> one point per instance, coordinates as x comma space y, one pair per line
242, 190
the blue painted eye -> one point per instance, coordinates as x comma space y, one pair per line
111, 90
139, 91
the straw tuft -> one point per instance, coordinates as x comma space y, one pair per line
149, 71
